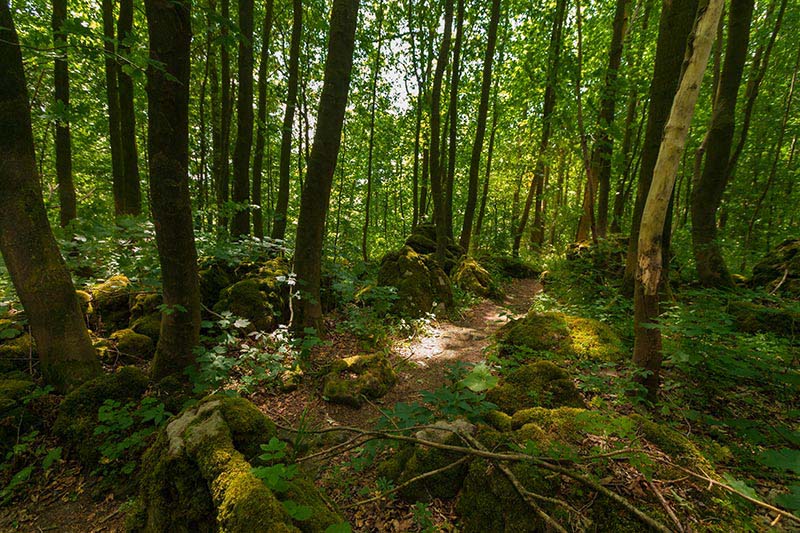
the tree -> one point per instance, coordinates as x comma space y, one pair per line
282, 206
66, 187
322, 161
37, 270
258, 156
131, 190
452, 110
112, 101
221, 167
169, 24
647, 346
240, 225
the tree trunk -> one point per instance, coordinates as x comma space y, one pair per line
112, 100
452, 110
707, 191
371, 148
674, 27
647, 346
169, 23
480, 129
322, 162
66, 187
222, 170
282, 206
258, 157
476, 240
30, 252
131, 190
240, 225
423, 188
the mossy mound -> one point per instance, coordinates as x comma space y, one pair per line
419, 281
144, 303
260, 298
133, 346
77, 416
605, 258
423, 241
350, 380
569, 336
85, 301
14, 417
513, 267
411, 461
781, 266
16, 353
754, 318
472, 277
214, 275
197, 476
537, 384
149, 325
110, 302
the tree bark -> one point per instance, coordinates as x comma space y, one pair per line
112, 101
677, 17
480, 129
284, 182
222, 159
707, 192
66, 187
371, 146
169, 23
261, 127
322, 162
240, 225
30, 251
131, 190
452, 110
647, 353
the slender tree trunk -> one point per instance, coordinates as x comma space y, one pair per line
112, 101
282, 206
131, 189
675, 25
476, 240
453, 114
708, 190
376, 70
554, 56
423, 192
480, 130
66, 188
202, 206
30, 251
240, 226
322, 162
647, 353
216, 123
261, 127
169, 23
222, 172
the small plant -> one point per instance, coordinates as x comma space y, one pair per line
423, 517
277, 475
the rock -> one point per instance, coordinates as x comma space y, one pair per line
149, 325
145, 303
350, 379
419, 281
77, 416
537, 384
261, 298
754, 318
513, 267
198, 476
781, 266
423, 241
606, 258
566, 335
471, 276
85, 301
16, 353
133, 346
110, 302
214, 276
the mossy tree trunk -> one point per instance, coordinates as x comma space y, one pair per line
34, 263
261, 122
647, 353
131, 190
169, 25
452, 112
66, 187
284, 183
112, 101
322, 161
240, 225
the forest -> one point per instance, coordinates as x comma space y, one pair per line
332, 266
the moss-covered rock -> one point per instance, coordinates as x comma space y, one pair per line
110, 302
537, 384
423, 241
754, 318
419, 281
77, 416
605, 259
197, 476
566, 335
261, 300
214, 275
85, 301
351, 379
149, 325
498, 420
132, 346
472, 277
16, 353
513, 267
144, 303
781, 266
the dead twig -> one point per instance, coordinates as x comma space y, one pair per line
666, 506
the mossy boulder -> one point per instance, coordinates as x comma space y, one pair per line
144, 303
780, 267
419, 281
605, 259
149, 325
537, 384
214, 275
85, 301
513, 267
471, 276
423, 241
77, 416
198, 476
566, 335
261, 299
16, 353
132, 346
351, 379
411, 461
754, 318
110, 302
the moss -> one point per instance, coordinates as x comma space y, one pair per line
214, 276
536, 384
85, 301
419, 281
677, 446
350, 379
133, 346
77, 416
498, 420
110, 301
144, 303
781, 266
513, 267
472, 277
149, 325
565, 335
16, 353
304, 492
754, 318
14, 416
246, 299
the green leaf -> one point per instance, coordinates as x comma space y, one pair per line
784, 459
296, 511
51, 457
344, 527
791, 500
480, 378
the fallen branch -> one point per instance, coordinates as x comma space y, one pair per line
666, 506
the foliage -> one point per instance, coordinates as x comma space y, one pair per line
277, 475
